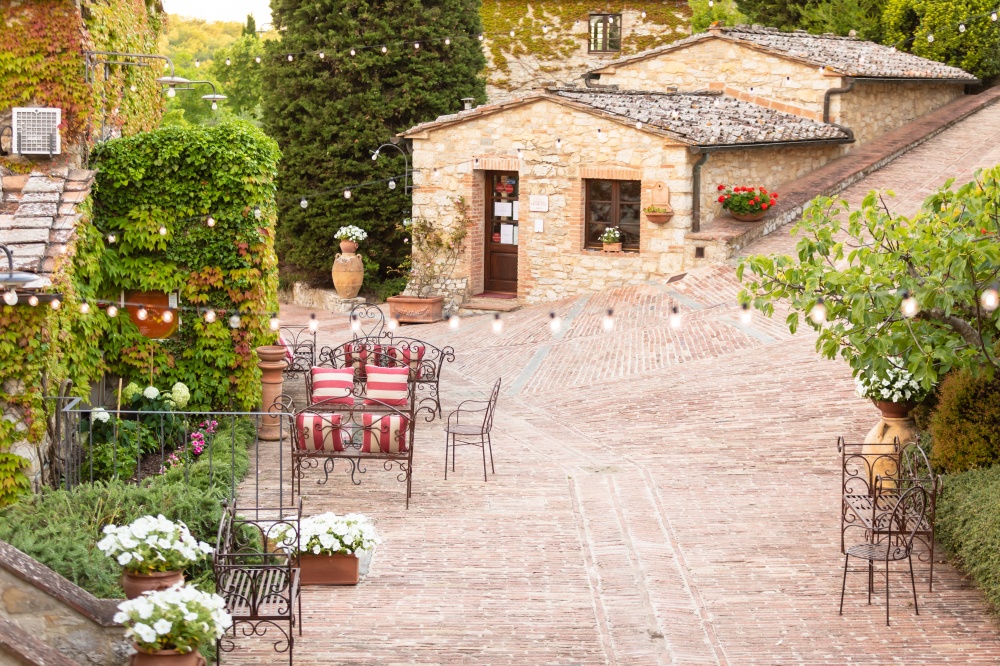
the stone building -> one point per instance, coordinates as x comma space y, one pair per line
545, 172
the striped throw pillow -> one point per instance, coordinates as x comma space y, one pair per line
388, 386
332, 386
319, 432
358, 355
384, 434
408, 355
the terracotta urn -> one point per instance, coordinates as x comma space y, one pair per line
612, 247
896, 423
348, 246
329, 569
415, 310
135, 584
748, 217
348, 273
272, 362
165, 658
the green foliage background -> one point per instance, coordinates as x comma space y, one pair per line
177, 178
328, 114
965, 426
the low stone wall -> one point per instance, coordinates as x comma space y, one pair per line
319, 299
54, 611
454, 290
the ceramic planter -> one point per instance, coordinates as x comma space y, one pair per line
348, 273
894, 410
414, 310
612, 247
165, 658
135, 584
348, 246
748, 217
659, 218
273, 361
328, 569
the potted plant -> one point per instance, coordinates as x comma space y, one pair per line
153, 552
328, 545
612, 239
894, 392
168, 626
348, 269
435, 254
747, 204
658, 214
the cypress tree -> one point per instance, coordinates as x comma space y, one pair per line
329, 113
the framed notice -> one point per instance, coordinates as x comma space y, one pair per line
507, 234
538, 203
503, 209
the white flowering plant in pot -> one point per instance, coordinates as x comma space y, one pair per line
611, 235
179, 618
893, 385
330, 534
152, 544
351, 233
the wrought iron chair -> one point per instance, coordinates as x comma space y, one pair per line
892, 542
462, 430
367, 321
300, 347
257, 577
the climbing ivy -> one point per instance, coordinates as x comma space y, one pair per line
176, 178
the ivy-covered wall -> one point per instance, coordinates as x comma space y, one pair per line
550, 41
176, 178
42, 64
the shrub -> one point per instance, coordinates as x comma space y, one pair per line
61, 528
968, 524
966, 424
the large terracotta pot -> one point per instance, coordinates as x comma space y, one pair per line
348, 246
748, 217
895, 424
165, 658
348, 274
894, 410
612, 247
135, 584
328, 569
272, 362
414, 310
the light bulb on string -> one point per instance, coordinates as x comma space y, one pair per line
447, 41
234, 321
163, 230
274, 323
313, 323
171, 92
353, 52
392, 184
990, 298
608, 321
393, 323
558, 144
210, 221
961, 27
993, 16
197, 63
32, 300
133, 88
818, 312
643, 14
555, 323
930, 38
112, 311
209, 316
215, 107
112, 239
675, 318
257, 212
355, 323
746, 315
480, 37
512, 34
638, 125
257, 60
710, 3
10, 297
545, 29
322, 55
84, 307
347, 194
909, 306
228, 62
454, 321
167, 316
142, 313
497, 323
290, 57
304, 203
385, 50
416, 46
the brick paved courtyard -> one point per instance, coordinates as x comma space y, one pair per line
660, 496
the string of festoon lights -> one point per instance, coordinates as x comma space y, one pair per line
909, 307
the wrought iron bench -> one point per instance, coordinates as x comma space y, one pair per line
256, 577
873, 477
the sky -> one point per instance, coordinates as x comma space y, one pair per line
221, 10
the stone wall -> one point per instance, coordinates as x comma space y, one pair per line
58, 613
560, 53
872, 109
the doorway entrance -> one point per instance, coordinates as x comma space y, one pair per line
500, 266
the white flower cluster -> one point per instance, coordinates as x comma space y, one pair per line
181, 618
328, 534
351, 233
151, 393
611, 235
151, 544
100, 414
897, 385
180, 395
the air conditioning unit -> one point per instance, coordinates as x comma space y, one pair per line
36, 131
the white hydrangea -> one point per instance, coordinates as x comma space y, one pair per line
151, 544
328, 534
898, 385
100, 414
151, 393
182, 614
180, 395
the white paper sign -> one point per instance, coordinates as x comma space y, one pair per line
515, 210
515, 234
538, 203
539, 225
507, 234
502, 209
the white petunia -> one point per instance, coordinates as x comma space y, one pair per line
124, 558
163, 626
144, 632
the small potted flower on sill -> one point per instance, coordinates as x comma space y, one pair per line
747, 204
328, 545
153, 553
658, 214
348, 269
612, 239
168, 626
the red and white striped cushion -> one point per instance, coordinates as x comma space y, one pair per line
408, 355
384, 434
356, 355
332, 386
319, 432
288, 350
388, 386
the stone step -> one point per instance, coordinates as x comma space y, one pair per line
480, 305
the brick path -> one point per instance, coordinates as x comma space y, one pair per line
661, 496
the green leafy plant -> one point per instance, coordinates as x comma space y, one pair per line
113, 446
965, 426
436, 250
723, 12
656, 209
611, 235
746, 200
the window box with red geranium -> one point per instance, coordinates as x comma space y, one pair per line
747, 204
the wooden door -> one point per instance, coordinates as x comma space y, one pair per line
501, 231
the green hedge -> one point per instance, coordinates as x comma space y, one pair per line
968, 524
61, 528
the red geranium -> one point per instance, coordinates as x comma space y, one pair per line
763, 191
744, 200
773, 201
722, 197
722, 187
763, 206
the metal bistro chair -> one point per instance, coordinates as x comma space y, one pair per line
469, 432
368, 321
892, 542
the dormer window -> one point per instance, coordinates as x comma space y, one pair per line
605, 33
